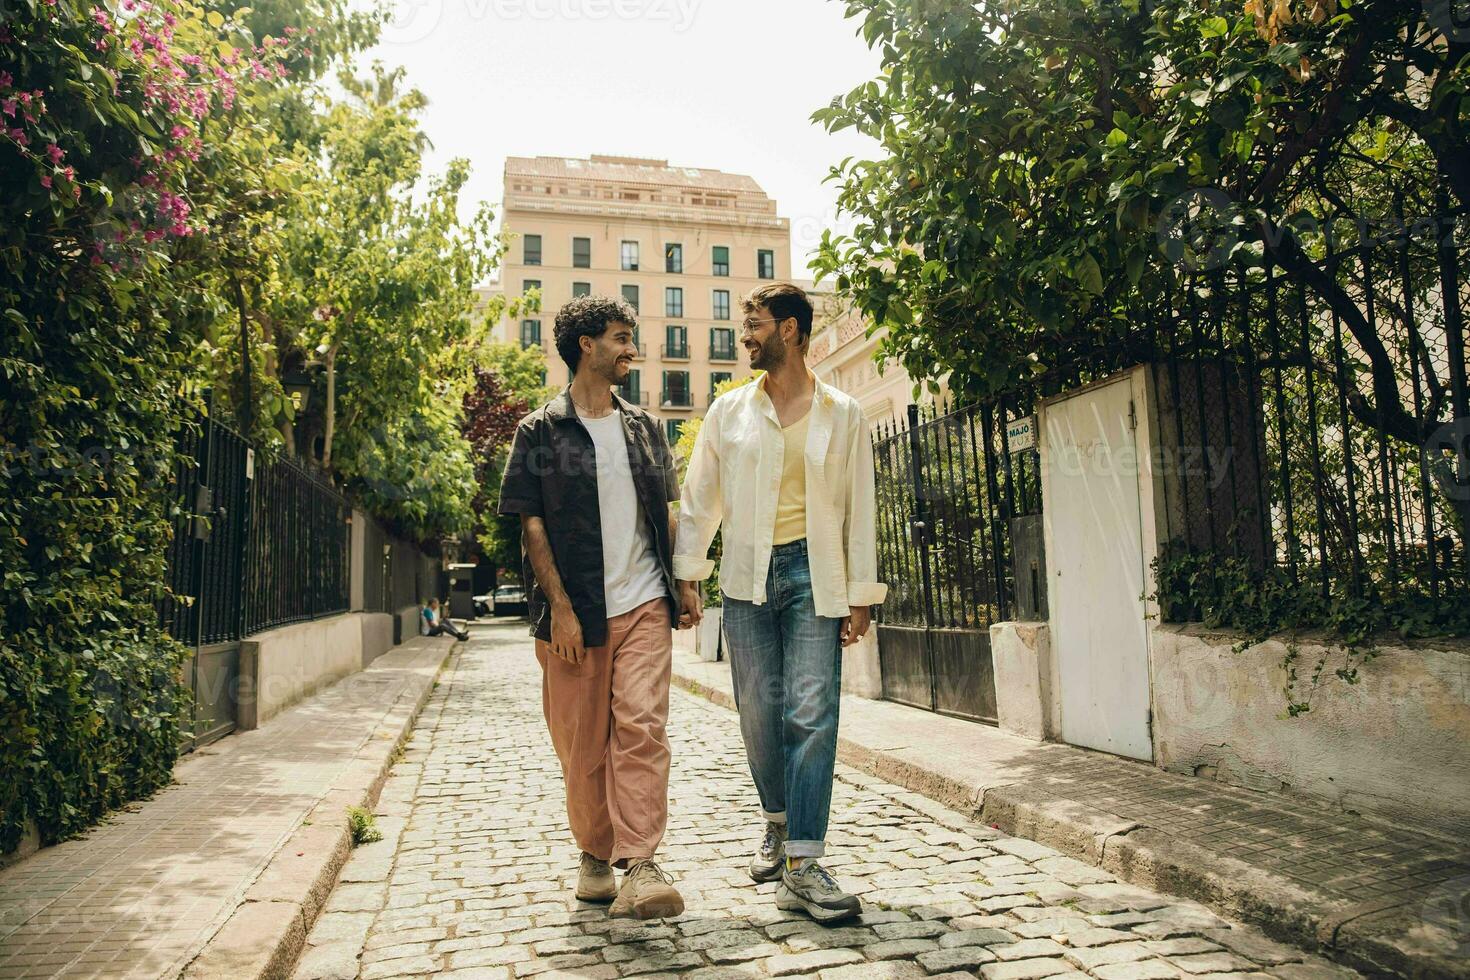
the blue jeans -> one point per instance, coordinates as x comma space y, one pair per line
786, 663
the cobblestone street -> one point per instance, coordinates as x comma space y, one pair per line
474, 876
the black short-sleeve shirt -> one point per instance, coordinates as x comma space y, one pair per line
552, 474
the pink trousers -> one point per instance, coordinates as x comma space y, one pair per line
607, 717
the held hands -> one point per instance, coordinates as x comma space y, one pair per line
566, 635
855, 625
691, 605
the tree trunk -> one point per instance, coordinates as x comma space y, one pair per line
331, 411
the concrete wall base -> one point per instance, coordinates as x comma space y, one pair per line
377, 636
1021, 655
1392, 744
282, 666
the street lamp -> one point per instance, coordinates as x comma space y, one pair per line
298, 388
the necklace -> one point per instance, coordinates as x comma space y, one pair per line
587, 412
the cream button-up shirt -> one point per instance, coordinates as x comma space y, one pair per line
734, 482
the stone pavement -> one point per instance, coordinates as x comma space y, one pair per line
473, 878
1386, 894
139, 895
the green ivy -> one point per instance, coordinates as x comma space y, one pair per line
1222, 591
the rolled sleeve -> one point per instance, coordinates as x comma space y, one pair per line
860, 524
520, 486
701, 505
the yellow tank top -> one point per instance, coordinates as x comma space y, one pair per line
791, 505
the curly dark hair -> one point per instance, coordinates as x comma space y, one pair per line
588, 316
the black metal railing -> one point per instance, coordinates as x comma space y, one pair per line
676, 352
259, 541
676, 398
297, 560
947, 488
1314, 430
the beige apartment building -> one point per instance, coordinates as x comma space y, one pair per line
843, 355
682, 244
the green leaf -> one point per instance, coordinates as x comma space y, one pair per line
1089, 275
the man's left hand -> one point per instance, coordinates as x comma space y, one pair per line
855, 625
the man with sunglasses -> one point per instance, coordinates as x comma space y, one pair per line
785, 467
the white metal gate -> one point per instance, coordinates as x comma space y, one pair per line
1096, 567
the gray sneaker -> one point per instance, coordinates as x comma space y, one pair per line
812, 890
770, 857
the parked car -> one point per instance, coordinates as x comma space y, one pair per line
509, 600
484, 605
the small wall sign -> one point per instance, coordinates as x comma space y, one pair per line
1021, 434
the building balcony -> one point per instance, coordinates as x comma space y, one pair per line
723, 354
676, 399
639, 398
675, 352
642, 351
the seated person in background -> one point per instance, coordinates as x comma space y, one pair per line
434, 624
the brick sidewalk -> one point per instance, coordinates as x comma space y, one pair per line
140, 894
473, 878
1377, 892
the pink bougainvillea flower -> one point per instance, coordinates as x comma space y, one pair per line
8, 107
46, 181
55, 152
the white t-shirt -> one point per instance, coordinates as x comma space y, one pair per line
630, 571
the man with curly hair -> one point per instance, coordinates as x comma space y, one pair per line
591, 478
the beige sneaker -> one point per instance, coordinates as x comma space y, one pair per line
596, 881
647, 893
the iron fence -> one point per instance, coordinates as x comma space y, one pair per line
297, 559
258, 541
1314, 425
949, 494
1324, 444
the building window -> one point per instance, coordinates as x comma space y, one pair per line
531, 250
672, 427
717, 378
632, 388
721, 254
581, 289
721, 344
530, 333
673, 301
529, 284
721, 305
765, 263
676, 341
676, 390
630, 293
630, 256
581, 253
673, 257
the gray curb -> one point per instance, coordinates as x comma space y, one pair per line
264, 936
1375, 940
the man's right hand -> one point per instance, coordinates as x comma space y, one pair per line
566, 635
691, 605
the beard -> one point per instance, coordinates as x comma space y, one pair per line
769, 355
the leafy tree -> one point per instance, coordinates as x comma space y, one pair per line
107, 185
507, 386
1039, 152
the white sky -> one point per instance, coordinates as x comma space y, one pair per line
727, 84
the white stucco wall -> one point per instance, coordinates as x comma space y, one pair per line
1021, 654
1397, 743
